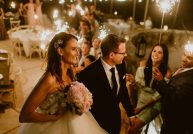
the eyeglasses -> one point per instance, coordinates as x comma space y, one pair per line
120, 53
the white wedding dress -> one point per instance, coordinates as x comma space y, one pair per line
69, 123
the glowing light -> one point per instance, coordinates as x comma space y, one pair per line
35, 16
58, 23
70, 13
103, 32
13, 5
45, 34
188, 48
166, 5
79, 8
42, 46
55, 13
80, 40
121, 0
64, 27
115, 13
61, 1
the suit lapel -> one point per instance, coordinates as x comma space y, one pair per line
121, 75
102, 74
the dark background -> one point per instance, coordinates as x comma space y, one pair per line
183, 19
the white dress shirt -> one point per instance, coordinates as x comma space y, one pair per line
107, 68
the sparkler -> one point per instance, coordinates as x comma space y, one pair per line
80, 40
79, 8
58, 24
103, 32
64, 27
60, 27
165, 6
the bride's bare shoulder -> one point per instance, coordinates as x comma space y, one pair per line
48, 82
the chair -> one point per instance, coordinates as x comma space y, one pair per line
7, 95
35, 48
14, 24
23, 27
17, 46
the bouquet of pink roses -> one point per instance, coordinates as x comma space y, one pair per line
78, 98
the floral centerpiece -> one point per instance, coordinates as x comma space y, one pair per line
78, 98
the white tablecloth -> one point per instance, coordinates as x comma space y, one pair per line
119, 27
27, 37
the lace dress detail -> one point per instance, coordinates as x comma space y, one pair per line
52, 103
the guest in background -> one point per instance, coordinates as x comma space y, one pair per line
85, 30
38, 12
148, 23
94, 24
30, 8
95, 49
177, 97
85, 51
73, 17
88, 60
22, 14
148, 102
2, 25
105, 78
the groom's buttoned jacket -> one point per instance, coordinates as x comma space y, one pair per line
105, 108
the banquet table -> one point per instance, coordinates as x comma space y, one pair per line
27, 37
4, 67
119, 26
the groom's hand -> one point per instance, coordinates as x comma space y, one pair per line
132, 120
131, 126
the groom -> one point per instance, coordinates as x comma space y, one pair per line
108, 87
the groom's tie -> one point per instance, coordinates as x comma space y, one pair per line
114, 88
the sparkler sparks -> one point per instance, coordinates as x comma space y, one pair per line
80, 40
79, 8
166, 5
103, 32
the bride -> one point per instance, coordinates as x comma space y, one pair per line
43, 112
